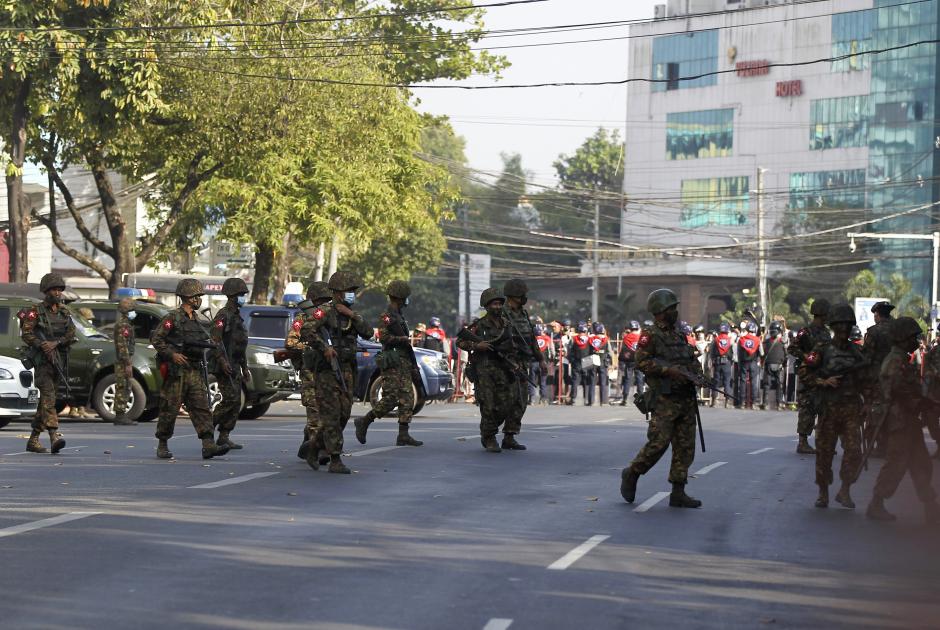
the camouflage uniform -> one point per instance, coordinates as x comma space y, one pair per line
308, 392
42, 323
124, 341
672, 404
839, 408
397, 367
876, 347
807, 339
229, 333
932, 384
183, 383
524, 349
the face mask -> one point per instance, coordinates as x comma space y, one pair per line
54, 299
523, 300
672, 317
349, 297
131, 315
195, 302
241, 300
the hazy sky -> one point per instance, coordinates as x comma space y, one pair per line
540, 123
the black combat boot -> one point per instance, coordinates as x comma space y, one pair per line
224, 440
362, 425
628, 479
679, 498
490, 444
304, 447
163, 451
311, 454
34, 445
803, 447
844, 498
337, 465
211, 449
822, 501
404, 438
876, 510
510, 444
58, 442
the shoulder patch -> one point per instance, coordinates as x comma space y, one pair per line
386, 318
220, 323
644, 340
126, 332
297, 325
812, 358
168, 324
32, 314
318, 313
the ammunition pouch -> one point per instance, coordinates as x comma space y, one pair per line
31, 357
642, 402
471, 372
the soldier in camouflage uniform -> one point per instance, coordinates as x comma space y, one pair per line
932, 384
903, 428
665, 358
330, 338
805, 341
48, 331
499, 382
182, 363
124, 343
876, 347
836, 372
398, 368
524, 350
230, 335
317, 294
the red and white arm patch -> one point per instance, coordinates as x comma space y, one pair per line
220, 323
126, 332
168, 324
386, 319
32, 314
297, 325
318, 314
812, 359
645, 340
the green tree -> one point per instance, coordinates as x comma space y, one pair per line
898, 290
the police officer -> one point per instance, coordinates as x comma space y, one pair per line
524, 348
318, 294
396, 361
582, 366
720, 355
774, 368
179, 340
230, 335
805, 341
665, 357
626, 362
876, 347
749, 355
434, 336
538, 378
48, 331
124, 340
330, 337
600, 346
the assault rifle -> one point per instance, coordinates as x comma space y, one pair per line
416, 369
204, 346
700, 381
30, 354
334, 362
517, 371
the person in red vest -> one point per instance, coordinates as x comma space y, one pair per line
434, 336
750, 351
626, 363
582, 366
538, 380
600, 345
856, 336
721, 354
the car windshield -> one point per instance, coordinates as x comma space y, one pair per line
86, 328
269, 326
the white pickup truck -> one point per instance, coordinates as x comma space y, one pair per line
18, 394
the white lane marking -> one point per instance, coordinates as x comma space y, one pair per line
67, 448
650, 502
370, 451
497, 624
609, 420
709, 468
761, 450
577, 553
232, 481
551, 428
46, 522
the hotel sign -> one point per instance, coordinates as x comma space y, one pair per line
790, 88
752, 68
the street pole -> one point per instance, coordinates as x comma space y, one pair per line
466, 267
761, 249
595, 272
936, 259
321, 261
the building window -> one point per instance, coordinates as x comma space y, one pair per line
839, 122
828, 189
685, 55
714, 201
851, 35
704, 134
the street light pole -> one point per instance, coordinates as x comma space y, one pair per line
762, 292
595, 273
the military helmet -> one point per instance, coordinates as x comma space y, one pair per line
820, 307
234, 286
343, 281
126, 305
489, 295
904, 328
776, 327
318, 291
189, 287
855, 334
659, 300
515, 288
884, 307
841, 314
398, 289
51, 281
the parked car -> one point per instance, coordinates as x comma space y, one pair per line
90, 365
270, 381
18, 396
269, 325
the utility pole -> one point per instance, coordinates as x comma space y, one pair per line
465, 268
334, 253
761, 250
595, 272
321, 262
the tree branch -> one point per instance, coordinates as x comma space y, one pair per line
76, 216
85, 259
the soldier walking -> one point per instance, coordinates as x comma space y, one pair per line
180, 342
230, 335
665, 357
903, 427
876, 347
396, 361
523, 349
329, 335
124, 344
836, 372
48, 331
805, 341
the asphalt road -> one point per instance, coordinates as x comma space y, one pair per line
447, 535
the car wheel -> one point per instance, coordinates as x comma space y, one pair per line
255, 412
419, 406
375, 394
103, 399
